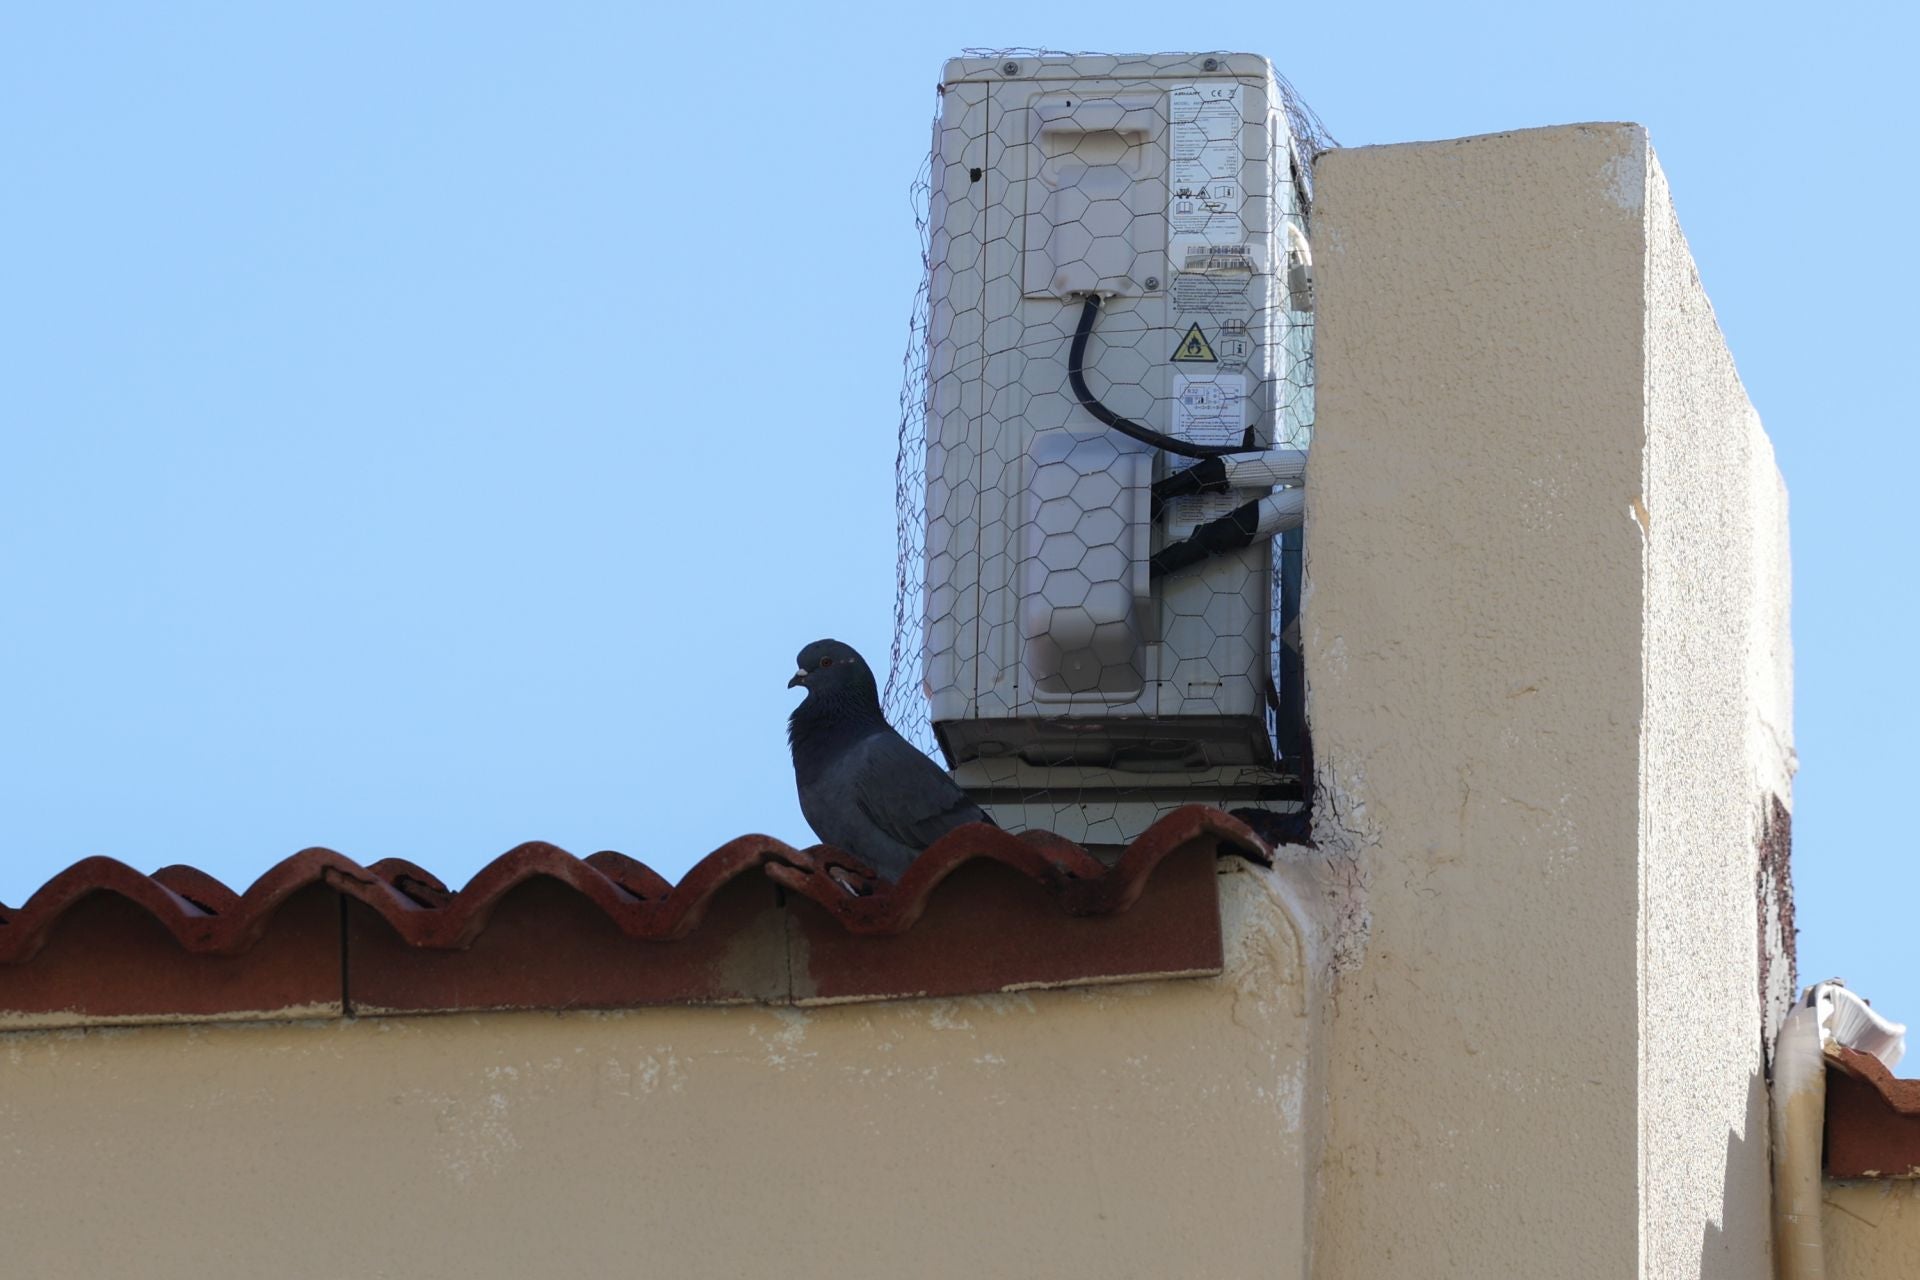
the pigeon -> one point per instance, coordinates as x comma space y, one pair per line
863, 787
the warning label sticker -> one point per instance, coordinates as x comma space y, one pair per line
1221, 310
1204, 193
1209, 408
1194, 348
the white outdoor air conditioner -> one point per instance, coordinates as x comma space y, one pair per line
1119, 279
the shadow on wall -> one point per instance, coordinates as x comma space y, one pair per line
1738, 1245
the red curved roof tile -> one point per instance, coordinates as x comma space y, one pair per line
1873, 1118
1079, 882
393, 909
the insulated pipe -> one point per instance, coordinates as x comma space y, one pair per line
1261, 470
1799, 1128
1828, 1014
1241, 527
1242, 471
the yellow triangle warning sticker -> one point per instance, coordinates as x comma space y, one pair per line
1195, 348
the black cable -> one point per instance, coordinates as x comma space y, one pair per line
1076, 361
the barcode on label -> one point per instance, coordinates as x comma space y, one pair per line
1219, 257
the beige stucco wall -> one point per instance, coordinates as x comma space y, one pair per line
1159, 1129
1872, 1230
1716, 747
1539, 507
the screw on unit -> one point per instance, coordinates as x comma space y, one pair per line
1153, 282
1211, 64
1009, 68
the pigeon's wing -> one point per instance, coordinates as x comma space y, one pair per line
908, 796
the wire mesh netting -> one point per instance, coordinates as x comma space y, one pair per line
1114, 284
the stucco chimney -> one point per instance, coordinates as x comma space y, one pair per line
1549, 688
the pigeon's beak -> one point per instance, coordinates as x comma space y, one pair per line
799, 678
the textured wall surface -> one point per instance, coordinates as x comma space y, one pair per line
1538, 623
1717, 752
1872, 1230
1472, 631
1156, 1130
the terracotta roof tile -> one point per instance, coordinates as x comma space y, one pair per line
320, 934
1873, 1119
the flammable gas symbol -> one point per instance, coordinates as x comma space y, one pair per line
1194, 348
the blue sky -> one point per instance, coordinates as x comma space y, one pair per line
429, 427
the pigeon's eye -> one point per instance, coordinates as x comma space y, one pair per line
826, 662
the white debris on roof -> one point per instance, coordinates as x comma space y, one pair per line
1847, 1021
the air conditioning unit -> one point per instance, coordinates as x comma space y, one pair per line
1118, 404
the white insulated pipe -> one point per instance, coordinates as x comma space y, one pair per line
1279, 511
1265, 470
1799, 1126
1827, 1015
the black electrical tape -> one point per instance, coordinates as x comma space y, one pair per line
1076, 362
1230, 532
1209, 476
1206, 476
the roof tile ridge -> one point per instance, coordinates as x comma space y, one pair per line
631, 874
314, 865
198, 887
413, 880
685, 904
1050, 861
205, 916
453, 924
636, 899
1122, 884
1901, 1094
825, 873
24, 930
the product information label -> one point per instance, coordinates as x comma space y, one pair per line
1209, 408
1211, 295
1184, 515
1204, 197
1215, 267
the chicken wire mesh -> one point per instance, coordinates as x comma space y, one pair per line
1073, 680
